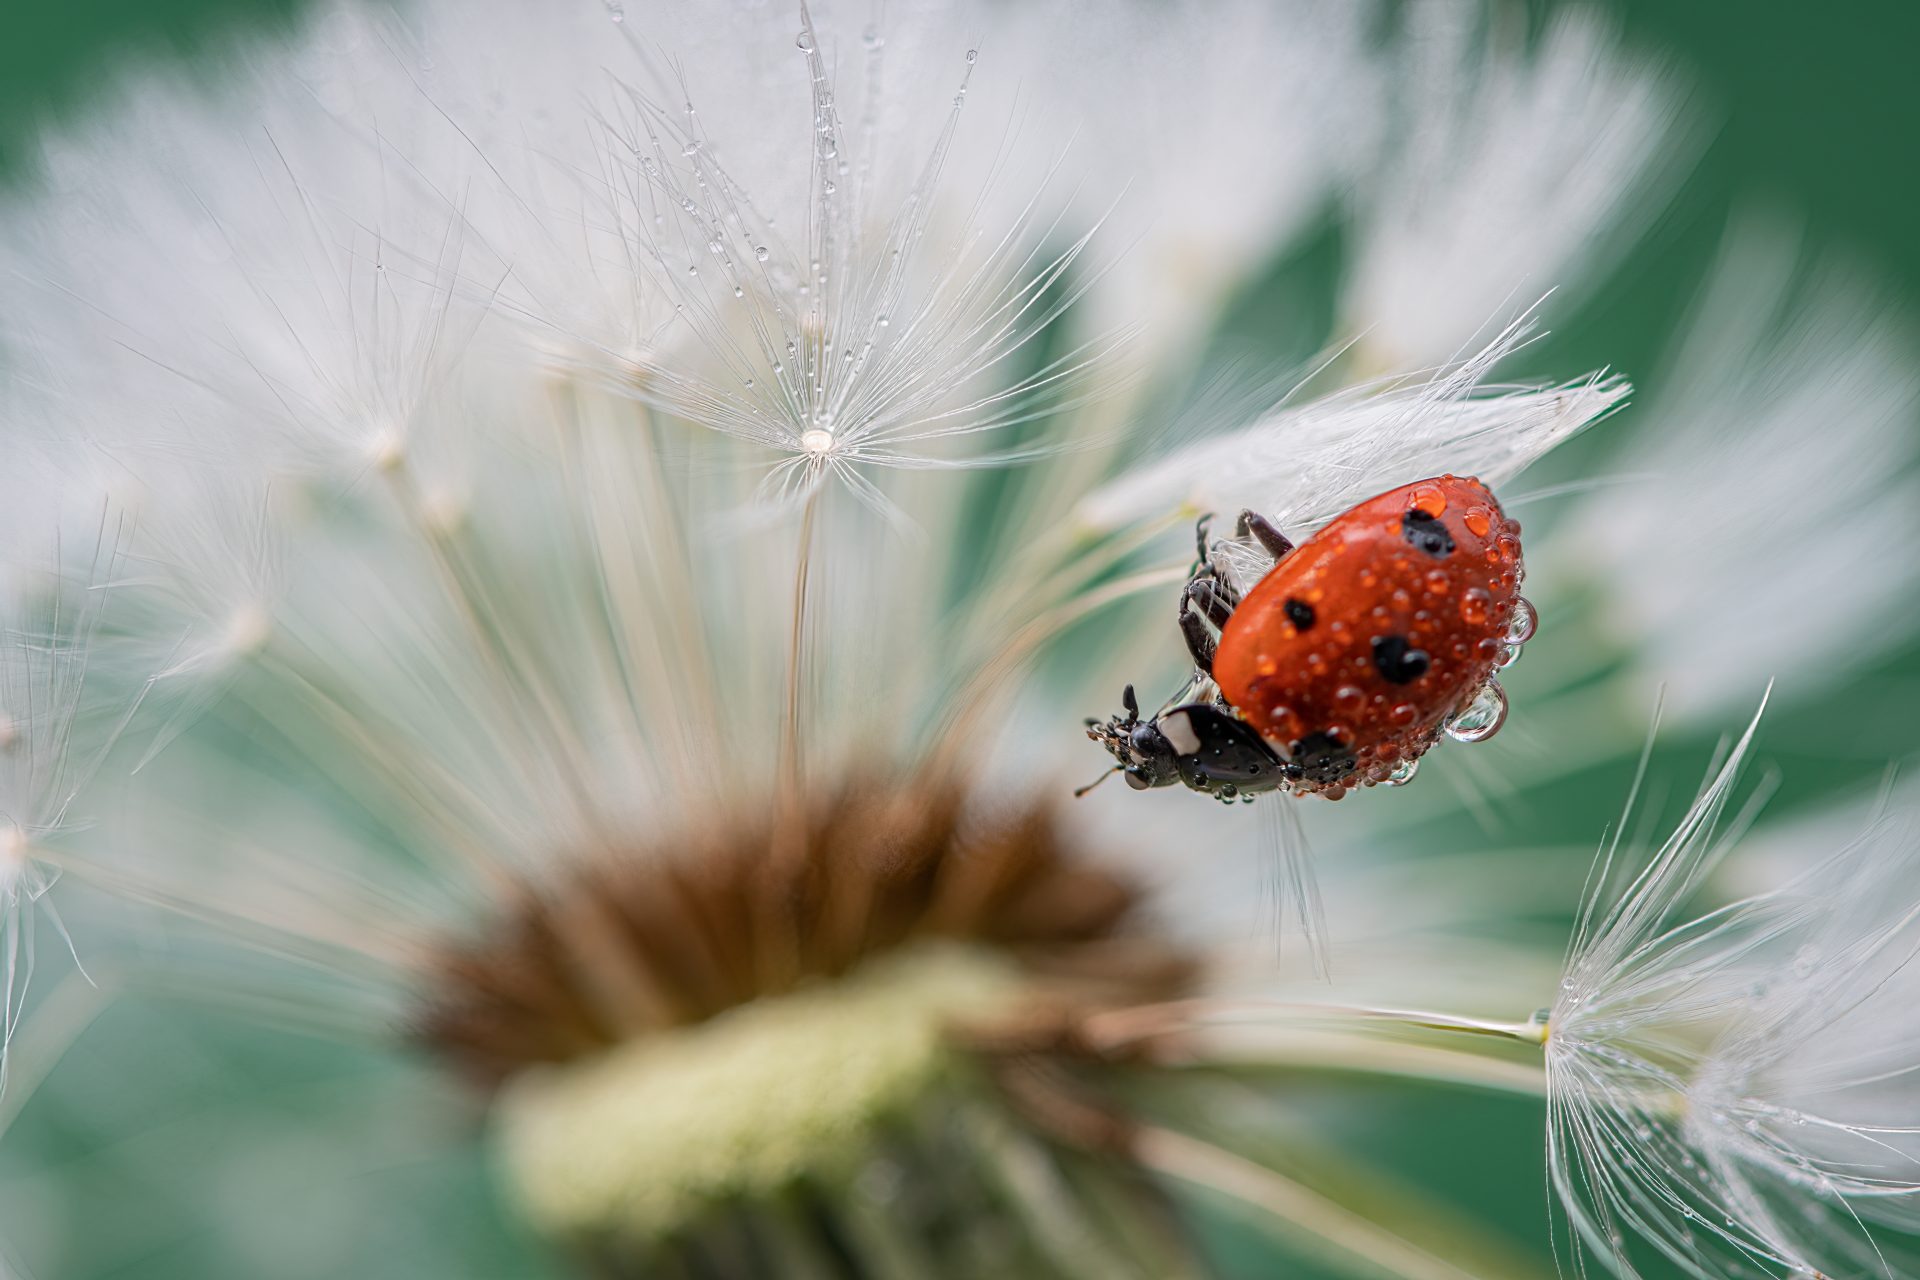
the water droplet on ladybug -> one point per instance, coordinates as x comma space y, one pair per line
1475, 605
1403, 773
1482, 717
1479, 521
1524, 622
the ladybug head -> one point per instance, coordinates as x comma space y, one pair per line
1146, 758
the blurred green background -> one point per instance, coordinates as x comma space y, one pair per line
183, 1139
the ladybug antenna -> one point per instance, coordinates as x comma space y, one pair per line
1080, 791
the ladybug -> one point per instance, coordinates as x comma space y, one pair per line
1348, 659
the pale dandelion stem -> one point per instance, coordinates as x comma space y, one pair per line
792, 773
1149, 1021
1203, 1164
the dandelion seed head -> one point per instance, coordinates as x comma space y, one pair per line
514, 744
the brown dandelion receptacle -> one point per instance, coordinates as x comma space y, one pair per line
861, 1041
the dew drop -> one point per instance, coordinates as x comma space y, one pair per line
973, 56
616, 13
870, 38
738, 292
760, 252
1475, 605
1403, 773
882, 321
1524, 622
804, 40
1482, 717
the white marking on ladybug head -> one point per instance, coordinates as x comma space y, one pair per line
1178, 730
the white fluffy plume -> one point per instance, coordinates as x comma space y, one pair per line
1517, 166
1736, 1091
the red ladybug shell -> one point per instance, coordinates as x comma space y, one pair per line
1360, 644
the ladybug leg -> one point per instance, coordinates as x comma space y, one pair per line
1264, 532
1216, 599
1213, 600
1203, 544
1200, 642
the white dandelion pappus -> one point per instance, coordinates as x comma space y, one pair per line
1737, 1089
57, 724
1302, 465
1778, 448
1519, 167
1233, 125
870, 326
325, 295
864, 337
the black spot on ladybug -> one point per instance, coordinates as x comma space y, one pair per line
1396, 662
1299, 613
1320, 757
1425, 532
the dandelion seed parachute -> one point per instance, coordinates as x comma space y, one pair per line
1516, 167
1301, 465
1745, 501
57, 726
1734, 1090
